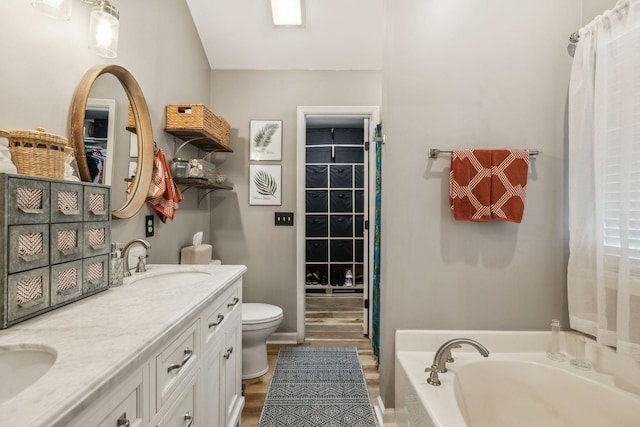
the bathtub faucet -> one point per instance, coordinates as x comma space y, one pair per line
443, 355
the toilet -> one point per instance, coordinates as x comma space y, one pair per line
258, 322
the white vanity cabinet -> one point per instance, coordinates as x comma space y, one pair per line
194, 379
223, 343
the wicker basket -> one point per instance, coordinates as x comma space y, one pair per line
131, 122
197, 116
38, 153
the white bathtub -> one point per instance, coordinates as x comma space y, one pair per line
517, 385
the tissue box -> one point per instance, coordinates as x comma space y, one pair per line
199, 254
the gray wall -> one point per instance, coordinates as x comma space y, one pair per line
243, 234
456, 74
470, 74
43, 60
593, 8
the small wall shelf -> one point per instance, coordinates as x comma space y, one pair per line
199, 138
204, 141
202, 183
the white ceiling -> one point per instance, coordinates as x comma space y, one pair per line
338, 35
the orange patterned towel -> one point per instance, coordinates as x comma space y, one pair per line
163, 194
509, 170
470, 185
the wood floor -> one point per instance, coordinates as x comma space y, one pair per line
332, 320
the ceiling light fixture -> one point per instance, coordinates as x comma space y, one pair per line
286, 12
104, 27
56, 9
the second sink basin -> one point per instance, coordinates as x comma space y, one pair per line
21, 366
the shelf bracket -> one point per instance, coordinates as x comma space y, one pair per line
200, 199
188, 141
186, 188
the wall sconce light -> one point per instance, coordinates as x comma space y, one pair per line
286, 12
104, 22
56, 9
104, 26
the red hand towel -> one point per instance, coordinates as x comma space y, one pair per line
470, 185
163, 194
509, 170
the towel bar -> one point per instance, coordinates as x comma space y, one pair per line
435, 152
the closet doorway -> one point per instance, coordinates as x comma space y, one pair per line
334, 183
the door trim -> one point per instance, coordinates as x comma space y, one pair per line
373, 112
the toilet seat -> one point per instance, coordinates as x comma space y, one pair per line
256, 313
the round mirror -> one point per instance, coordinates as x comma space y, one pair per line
139, 186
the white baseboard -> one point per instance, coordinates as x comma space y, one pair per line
384, 416
283, 338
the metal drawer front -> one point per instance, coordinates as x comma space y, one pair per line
66, 202
29, 201
28, 247
66, 282
28, 293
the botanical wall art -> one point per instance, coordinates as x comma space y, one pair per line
265, 183
265, 138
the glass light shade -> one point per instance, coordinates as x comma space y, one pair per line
56, 9
286, 12
103, 29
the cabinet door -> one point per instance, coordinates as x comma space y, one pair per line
232, 364
213, 393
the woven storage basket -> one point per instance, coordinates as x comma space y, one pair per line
38, 153
131, 121
197, 116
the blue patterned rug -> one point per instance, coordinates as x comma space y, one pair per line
317, 386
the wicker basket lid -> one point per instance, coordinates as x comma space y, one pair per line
38, 135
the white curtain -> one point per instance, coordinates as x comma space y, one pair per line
604, 180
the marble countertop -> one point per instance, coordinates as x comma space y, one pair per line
101, 339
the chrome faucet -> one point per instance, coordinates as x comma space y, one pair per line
443, 355
125, 256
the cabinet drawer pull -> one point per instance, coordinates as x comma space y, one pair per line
30, 258
220, 319
123, 421
31, 211
235, 301
187, 355
227, 354
189, 419
69, 251
97, 247
98, 212
70, 211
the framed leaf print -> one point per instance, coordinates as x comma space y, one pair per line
265, 139
265, 182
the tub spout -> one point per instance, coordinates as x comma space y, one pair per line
443, 355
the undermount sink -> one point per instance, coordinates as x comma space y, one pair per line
21, 366
159, 274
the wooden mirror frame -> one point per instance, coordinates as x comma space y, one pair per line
140, 184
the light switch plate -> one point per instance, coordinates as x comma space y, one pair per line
284, 218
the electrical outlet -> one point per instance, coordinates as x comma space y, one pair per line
284, 218
149, 226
